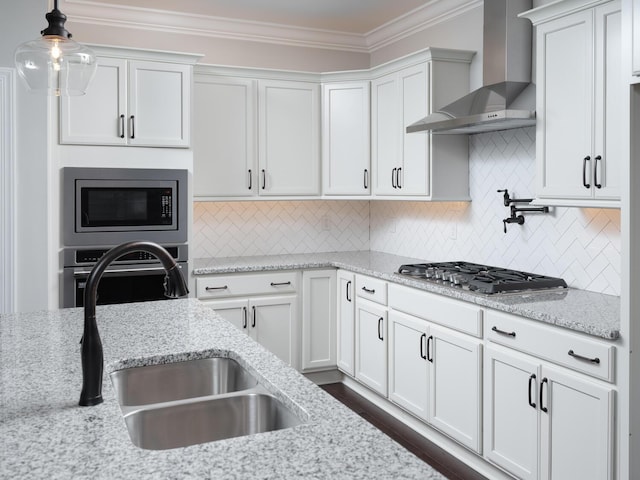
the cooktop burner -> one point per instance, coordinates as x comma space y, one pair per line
481, 278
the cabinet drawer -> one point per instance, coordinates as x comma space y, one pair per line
554, 344
455, 314
372, 289
219, 286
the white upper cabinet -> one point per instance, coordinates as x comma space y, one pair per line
289, 138
418, 164
132, 101
346, 158
224, 136
255, 137
634, 12
579, 104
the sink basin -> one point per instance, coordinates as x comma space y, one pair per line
190, 423
180, 380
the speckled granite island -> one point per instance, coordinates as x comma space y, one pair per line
579, 310
45, 434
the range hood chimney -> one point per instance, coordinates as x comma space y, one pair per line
507, 99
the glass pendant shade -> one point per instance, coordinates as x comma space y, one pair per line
54, 63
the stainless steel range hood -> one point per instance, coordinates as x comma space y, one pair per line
508, 98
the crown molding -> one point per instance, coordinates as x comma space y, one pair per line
123, 16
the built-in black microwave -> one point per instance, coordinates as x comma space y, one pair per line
108, 206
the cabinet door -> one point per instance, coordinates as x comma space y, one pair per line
413, 177
346, 322
511, 412
455, 377
159, 104
564, 106
273, 325
318, 319
98, 117
576, 427
345, 139
385, 136
408, 365
371, 345
289, 130
235, 311
224, 132
609, 108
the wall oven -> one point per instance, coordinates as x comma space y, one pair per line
104, 207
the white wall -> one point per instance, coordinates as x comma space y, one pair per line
22, 21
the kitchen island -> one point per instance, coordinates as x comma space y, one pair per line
45, 434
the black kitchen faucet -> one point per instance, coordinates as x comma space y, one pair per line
91, 350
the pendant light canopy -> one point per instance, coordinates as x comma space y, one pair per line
54, 63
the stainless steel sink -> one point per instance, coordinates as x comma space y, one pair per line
180, 380
185, 424
197, 401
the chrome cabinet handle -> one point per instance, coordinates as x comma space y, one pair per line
279, 284
244, 317
372, 291
380, 337
398, 177
209, 289
595, 172
393, 178
423, 340
544, 382
583, 358
250, 180
121, 133
532, 381
133, 126
584, 171
366, 178
264, 179
347, 292
502, 332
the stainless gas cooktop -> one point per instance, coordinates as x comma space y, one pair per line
481, 278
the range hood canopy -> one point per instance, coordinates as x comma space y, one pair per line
507, 99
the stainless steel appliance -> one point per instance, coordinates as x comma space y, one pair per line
481, 278
135, 277
109, 206
104, 207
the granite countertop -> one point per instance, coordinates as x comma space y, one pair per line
592, 313
45, 434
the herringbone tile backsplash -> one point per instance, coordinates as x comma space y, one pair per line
580, 245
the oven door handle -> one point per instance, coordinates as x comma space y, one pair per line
82, 273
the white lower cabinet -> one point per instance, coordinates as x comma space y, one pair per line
270, 321
263, 305
546, 422
371, 345
436, 374
318, 320
346, 306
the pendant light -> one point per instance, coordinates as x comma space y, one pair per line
54, 63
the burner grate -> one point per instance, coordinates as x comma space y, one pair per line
481, 278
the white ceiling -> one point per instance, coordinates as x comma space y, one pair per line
348, 16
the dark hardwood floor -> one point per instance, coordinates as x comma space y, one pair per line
435, 456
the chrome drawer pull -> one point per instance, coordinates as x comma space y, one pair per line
585, 359
279, 284
208, 289
502, 332
369, 290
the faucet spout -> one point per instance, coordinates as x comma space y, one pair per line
91, 350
